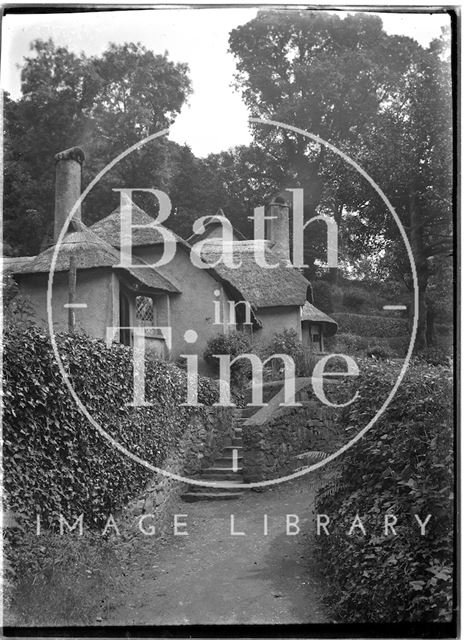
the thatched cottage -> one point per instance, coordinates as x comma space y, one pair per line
95, 291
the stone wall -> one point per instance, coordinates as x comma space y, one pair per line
270, 449
201, 444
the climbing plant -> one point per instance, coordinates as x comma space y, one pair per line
54, 459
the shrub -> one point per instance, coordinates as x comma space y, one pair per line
360, 346
347, 343
398, 345
436, 356
54, 459
379, 352
371, 326
234, 344
402, 466
288, 342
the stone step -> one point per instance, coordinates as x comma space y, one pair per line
227, 461
228, 451
197, 497
222, 476
222, 468
230, 485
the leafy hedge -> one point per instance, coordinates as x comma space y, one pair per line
370, 326
54, 460
360, 346
403, 466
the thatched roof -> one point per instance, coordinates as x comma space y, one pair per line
109, 229
310, 313
149, 277
91, 252
11, 264
282, 286
209, 227
262, 287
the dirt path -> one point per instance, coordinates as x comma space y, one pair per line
213, 577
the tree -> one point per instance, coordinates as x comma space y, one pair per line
103, 104
50, 116
326, 75
412, 145
138, 93
244, 177
386, 102
188, 192
233, 181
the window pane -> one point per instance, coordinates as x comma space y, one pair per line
144, 311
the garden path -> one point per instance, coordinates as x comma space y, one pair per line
213, 577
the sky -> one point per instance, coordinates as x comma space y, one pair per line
215, 117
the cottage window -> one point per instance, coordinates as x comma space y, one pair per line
144, 311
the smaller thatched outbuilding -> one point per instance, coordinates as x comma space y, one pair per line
315, 326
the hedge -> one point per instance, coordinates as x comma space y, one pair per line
54, 460
403, 466
371, 326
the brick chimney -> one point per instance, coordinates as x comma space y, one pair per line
68, 168
279, 229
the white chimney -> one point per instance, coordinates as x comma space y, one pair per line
279, 228
68, 169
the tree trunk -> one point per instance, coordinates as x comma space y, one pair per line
430, 333
310, 180
420, 259
334, 272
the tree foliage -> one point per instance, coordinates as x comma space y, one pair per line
385, 101
382, 99
103, 104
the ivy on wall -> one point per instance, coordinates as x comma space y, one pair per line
403, 467
54, 459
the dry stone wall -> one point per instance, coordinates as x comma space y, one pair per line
270, 449
202, 443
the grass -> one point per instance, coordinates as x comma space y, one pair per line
60, 580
